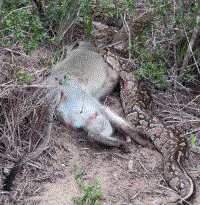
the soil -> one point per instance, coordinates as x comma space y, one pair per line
134, 178
125, 179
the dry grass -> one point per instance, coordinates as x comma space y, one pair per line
22, 110
23, 120
23, 124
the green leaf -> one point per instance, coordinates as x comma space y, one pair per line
193, 139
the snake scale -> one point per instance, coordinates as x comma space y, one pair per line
137, 103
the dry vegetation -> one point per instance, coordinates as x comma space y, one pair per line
125, 179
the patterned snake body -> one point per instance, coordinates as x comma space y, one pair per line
137, 101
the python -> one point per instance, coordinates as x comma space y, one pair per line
76, 85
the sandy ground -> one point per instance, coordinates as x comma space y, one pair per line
125, 179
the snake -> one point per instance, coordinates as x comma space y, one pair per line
137, 102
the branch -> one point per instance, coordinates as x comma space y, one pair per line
40, 9
42, 16
190, 45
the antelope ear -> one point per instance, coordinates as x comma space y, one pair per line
63, 97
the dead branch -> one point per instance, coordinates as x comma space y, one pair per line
190, 45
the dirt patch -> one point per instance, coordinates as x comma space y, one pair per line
60, 192
135, 178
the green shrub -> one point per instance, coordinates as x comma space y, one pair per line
163, 55
92, 193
